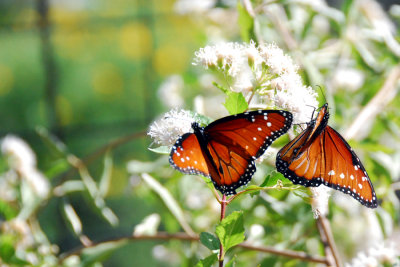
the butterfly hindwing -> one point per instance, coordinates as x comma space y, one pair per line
186, 156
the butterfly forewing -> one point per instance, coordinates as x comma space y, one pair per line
236, 141
321, 155
347, 172
186, 156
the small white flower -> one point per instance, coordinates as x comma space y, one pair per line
148, 226
377, 255
320, 200
278, 62
19, 153
223, 56
174, 123
348, 79
23, 160
265, 70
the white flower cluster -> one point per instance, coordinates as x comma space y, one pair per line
174, 123
23, 161
265, 70
377, 256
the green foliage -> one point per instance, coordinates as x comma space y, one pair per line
209, 261
246, 24
209, 240
231, 231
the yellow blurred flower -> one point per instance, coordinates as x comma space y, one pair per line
6, 80
135, 41
107, 81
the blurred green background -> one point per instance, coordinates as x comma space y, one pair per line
88, 72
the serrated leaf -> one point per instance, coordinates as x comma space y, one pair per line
160, 150
246, 23
208, 262
231, 231
235, 103
209, 240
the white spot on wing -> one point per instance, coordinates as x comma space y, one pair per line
331, 172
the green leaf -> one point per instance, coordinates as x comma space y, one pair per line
246, 23
105, 179
270, 180
208, 262
72, 218
7, 211
160, 150
235, 103
231, 231
232, 262
209, 240
304, 194
203, 120
7, 250
100, 252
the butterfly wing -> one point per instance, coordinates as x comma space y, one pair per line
234, 142
186, 156
323, 156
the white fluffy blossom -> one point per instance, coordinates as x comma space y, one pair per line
377, 256
320, 200
173, 124
23, 161
148, 226
263, 69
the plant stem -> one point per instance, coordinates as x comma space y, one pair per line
331, 252
221, 249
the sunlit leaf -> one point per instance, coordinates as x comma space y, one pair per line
235, 103
72, 218
246, 23
231, 231
208, 262
160, 150
169, 201
105, 179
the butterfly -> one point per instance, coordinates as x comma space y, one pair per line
320, 155
226, 149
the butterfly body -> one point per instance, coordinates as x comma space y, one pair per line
320, 155
226, 149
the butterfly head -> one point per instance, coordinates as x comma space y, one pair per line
196, 127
